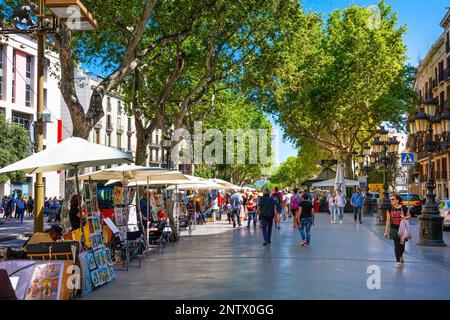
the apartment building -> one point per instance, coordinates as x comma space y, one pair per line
433, 85
18, 102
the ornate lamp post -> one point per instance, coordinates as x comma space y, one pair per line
364, 160
166, 144
430, 222
74, 15
384, 151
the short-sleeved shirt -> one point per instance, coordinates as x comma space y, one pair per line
396, 216
236, 201
306, 209
266, 206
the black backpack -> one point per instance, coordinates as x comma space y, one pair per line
266, 208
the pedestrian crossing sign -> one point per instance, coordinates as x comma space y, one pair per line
407, 159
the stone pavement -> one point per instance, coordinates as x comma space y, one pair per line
233, 265
14, 234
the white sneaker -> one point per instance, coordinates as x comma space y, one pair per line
340, 222
332, 221
398, 265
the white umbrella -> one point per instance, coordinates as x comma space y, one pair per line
226, 184
208, 185
163, 179
72, 153
130, 172
332, 183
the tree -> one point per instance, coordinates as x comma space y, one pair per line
231, 112
336, 89
14, 147
178, 85
295, 170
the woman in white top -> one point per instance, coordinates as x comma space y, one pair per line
332, 204
341, 201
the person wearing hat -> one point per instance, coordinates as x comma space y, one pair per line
52, 234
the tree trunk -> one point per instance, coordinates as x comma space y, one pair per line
348, 167
142, 141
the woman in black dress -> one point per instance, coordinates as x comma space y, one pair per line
74, 213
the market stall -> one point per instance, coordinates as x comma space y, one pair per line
82, 256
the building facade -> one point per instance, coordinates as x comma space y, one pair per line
433, 85
18, 102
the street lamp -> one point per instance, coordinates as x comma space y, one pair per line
385, 153
365, 160
166, 144
430, 221
76, 17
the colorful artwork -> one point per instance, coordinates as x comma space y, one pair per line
131, 196
85, 259
87, 191
118, 196
98, 259
45, 282
102, 276
119, 216
95, 278
93, 239
103, 259
92, 263
88, 207
108, 257
99, 240
94, 205
123, 233
96, 224
93, 189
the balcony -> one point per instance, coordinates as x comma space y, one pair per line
447, 75
109, 126
119, 129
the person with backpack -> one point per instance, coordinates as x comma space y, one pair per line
305, 220
266, 211
251, 209
277, 197
21, 205
295, 206
357, 202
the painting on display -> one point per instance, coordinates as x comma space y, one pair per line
95, 278
98, 260
92, 263
87, 191
45, 282
119, 216
118, 196
85, 259
93, 239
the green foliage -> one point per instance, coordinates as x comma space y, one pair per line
336, 82
295, 170
15, 145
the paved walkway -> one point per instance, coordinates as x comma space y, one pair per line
14, 234
232, 264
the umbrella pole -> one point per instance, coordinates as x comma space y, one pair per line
148, 216
77, 182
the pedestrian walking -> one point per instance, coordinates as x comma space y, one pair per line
394, 216
357, 202
30, 206
305, 220
251, 209
295, 205
266, 211
236, 203
341, 202
332, 205
21, 205
288, 197
277, 197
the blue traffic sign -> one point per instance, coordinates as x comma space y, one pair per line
407, 159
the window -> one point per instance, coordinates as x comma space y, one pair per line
108, 139
45, 98
22, 119
1, 72
119, 107
129, 124
151, 155
108, 104
119, 141
14, 78
157, 138
28, 83
129, 143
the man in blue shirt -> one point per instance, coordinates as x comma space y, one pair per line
357, 202
236, 202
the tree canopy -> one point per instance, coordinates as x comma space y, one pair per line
14, 147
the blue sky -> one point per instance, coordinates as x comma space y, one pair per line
422, 17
